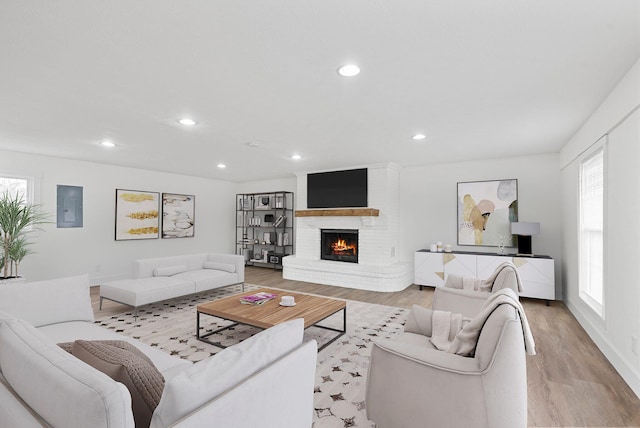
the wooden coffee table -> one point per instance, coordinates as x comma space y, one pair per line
312, 308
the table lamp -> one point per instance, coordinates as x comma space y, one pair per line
524, 231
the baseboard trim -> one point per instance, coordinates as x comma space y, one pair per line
625, 368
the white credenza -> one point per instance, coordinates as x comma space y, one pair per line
537, 273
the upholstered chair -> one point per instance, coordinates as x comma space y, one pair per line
467, 295
412, 384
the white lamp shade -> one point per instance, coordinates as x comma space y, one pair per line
525, 229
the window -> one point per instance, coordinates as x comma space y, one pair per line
591, 233
15, 184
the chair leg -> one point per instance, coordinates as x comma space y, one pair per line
101, 299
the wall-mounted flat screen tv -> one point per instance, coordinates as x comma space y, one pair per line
337, 189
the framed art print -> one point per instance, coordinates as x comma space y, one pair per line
137, 215
178, 215
485, 212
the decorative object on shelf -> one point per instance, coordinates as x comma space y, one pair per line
137, 215
524, 231
279, 221
502, 242
279, 202
17, 219
485, 210
178, 215
247, 203
69, 206
263, 202
285, 238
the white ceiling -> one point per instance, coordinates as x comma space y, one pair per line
482, 79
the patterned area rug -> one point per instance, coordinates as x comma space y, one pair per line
342, 366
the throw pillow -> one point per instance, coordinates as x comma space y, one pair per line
227, 267
126, 364
169, 270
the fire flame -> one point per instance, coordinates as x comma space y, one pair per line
340, 246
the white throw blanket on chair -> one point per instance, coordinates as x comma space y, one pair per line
487, 284
464, 342
444, 327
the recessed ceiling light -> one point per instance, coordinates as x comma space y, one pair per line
296, 157
187, 122
221, 166
349, 70
106, 143
419, 137
253, 144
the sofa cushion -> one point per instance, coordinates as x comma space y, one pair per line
227, 267
207, 379
48, 302
169, 270
207, 279
124, 363
57, 386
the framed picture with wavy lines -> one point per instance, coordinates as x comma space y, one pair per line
178, 215
137, 215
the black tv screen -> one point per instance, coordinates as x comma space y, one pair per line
337, 189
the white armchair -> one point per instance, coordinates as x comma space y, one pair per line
467, 295
413, 384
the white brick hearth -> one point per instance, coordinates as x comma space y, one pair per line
378, 267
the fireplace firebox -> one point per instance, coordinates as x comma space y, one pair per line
339, 245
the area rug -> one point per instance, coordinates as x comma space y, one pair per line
341, 369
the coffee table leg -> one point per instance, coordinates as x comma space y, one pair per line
342, 332
198, 326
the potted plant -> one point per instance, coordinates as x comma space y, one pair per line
17, 220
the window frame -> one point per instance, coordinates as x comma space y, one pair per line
585, 291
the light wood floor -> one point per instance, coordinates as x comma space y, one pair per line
570, 382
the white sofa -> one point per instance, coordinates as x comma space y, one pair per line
162, 278
267, 380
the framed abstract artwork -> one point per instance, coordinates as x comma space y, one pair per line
485, 212
178, 215
137, 215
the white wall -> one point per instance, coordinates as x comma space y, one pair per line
268, 186
618, 117
92, 249
428, 198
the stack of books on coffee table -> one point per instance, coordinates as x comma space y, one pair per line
257, 298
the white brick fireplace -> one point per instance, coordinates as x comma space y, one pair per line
378, 267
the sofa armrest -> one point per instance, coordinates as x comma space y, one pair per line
234, 259
465, 302
50, 301
280, 395
408, 383
427, 357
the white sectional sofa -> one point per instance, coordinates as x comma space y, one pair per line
162, 278
267, 380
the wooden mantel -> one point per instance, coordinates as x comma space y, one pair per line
340, 212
